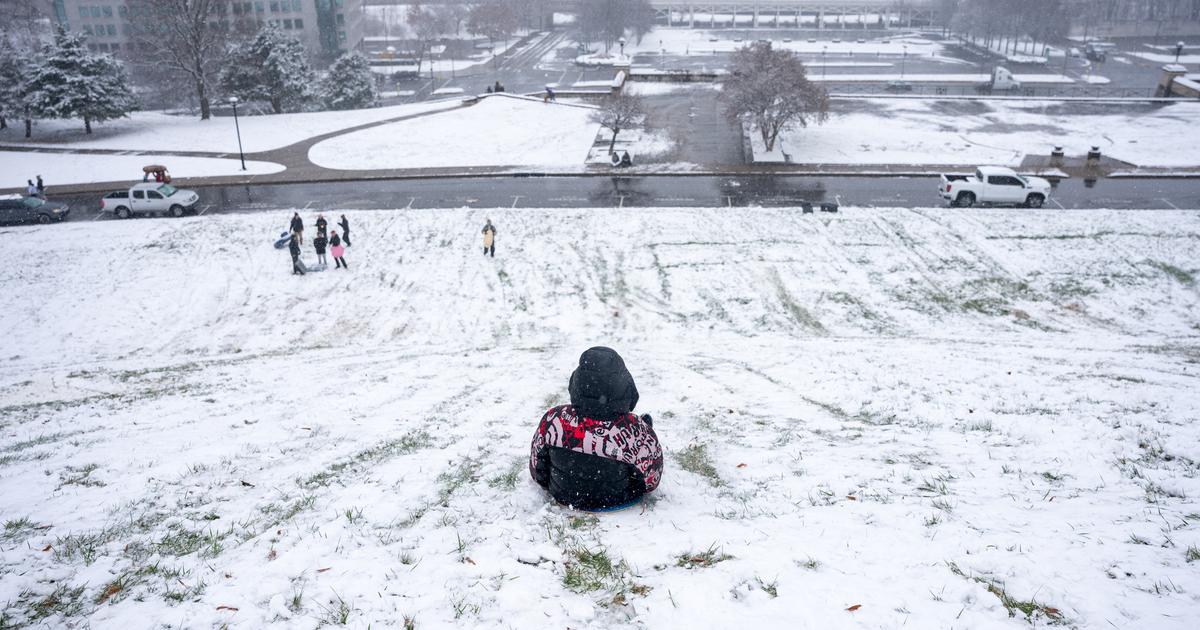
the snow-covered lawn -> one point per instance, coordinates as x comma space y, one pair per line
885, 131
693, 41
155, 131
881, 418
500, 130
1189, 59
67, 168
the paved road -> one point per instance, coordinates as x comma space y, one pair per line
658, 191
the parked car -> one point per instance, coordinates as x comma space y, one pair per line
149, 198
899, 86
1098, 51
22, 209
994, 185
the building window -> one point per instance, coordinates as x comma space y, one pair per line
116, 47
299, 24
274, 6
341, 36
107, 12
297, 5
87, 28
96, 12
83, 12
341, 20
258, 6
122, 10
112, 30
287, 24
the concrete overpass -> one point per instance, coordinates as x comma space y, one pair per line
817, 14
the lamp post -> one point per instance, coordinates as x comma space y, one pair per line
903, 59
233, 100
1178, 51
823, 49
621, 41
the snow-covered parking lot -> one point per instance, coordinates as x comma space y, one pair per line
881, 418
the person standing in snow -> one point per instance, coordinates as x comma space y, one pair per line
41, 187
297, 227
335, 248
489, 239
549, 95
322, 226
345, 225
319, 244
31, 189
595, 453
294, 249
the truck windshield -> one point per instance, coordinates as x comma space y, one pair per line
167, 190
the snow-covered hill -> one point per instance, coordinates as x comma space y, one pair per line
888, 417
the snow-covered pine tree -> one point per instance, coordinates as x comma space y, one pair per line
271, 67
71, 82
14, 68
350, 84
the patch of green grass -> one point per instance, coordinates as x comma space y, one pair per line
1052, 477
337, 613
1192, 554
995, 307
181, 541
798, 313
770, 588
80, 476
17, 530
703, 559
1180, 276
694, 459
460, 474
587, 570
83, 547
1030, 608
64, 600
508, 480
581, 522
811, 563
364, 459
1138, 540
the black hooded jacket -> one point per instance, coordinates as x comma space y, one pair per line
595, 453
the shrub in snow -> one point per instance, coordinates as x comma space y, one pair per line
271, 67
71, 82
350, 84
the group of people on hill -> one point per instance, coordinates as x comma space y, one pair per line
35, 190
325, 239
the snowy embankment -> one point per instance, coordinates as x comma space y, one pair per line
61, 169
916, 132
880, 418
499, 130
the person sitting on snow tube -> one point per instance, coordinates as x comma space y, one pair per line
594, 453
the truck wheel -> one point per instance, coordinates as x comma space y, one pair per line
43, 219
1035, 201
966, 200
123, 212
176, 211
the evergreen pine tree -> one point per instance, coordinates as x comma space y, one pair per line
14, 68
71, 82
350, 84
271, 67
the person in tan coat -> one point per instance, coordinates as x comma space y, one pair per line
489, 239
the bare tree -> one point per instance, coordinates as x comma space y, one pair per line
619, 112
494, 19
182, 35
768, 90
609, 20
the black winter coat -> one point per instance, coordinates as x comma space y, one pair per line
335, 241
294, 247
297, 224
320, 242
594, 453
321, 225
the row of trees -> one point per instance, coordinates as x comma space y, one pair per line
607, 21
1008, 26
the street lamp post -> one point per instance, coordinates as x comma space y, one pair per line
233, 100
1178, 51
903, 59
621, 41
823, 49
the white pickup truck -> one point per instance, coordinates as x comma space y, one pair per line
150, 197
994, 185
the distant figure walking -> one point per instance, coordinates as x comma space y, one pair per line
489, 239
297, 227
31, 189
549, 95
294, 249
626, 160
41, 187
319, 244
322, 226
498, 88
335, 248
345, 225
